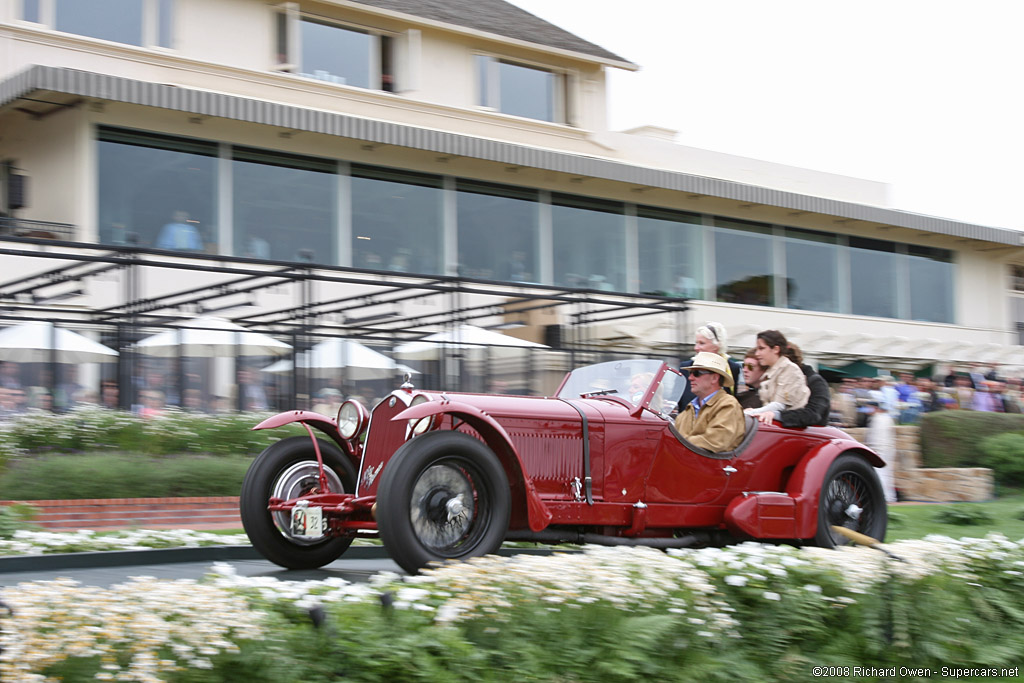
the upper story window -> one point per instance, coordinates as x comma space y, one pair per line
875, 275
1017, 278
1017, 300
318, 48
744, 267
532, 92
931, 274
132, 22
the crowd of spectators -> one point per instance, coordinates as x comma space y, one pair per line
905, 399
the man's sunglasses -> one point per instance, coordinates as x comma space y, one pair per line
700, 373
749, 366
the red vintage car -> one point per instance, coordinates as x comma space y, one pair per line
442, 476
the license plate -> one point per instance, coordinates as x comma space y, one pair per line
308, 522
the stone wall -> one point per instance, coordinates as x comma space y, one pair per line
932, 484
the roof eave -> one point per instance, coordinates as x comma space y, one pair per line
487, 35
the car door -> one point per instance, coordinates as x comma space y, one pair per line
680, 475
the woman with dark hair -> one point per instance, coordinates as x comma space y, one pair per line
752, 372
783, 385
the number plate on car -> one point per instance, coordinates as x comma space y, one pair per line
308, 522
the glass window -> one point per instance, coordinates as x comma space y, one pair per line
873, 277
670, 253
282, 43
526, 91
397, 220
336, 54
812, 271
1017, 278
284, 206
589, 241
1018, 317
483, 76
520, 89
165, 23
931, 284
330, 52
159, 190
119, 21
743, 263
30, 10
498, 229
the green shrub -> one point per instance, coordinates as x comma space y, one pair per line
8, 451
96, 429
1004, 453
15, 517
952, 438
57, 477
963, 515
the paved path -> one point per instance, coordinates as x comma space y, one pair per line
351, 570
106, 569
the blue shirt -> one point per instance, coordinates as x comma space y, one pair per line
698, 404
180, 236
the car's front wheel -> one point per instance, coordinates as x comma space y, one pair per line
286, 470
851, 497
444, 495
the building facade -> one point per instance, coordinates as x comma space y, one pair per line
460, 139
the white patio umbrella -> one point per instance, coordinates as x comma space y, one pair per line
208, 337
462, 337
32, 342
360, 362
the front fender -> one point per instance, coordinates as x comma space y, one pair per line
805, 483
323, 423
495, 436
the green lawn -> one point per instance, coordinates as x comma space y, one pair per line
919, 520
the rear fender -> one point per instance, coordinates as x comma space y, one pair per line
497, 439
325, 424
804, 484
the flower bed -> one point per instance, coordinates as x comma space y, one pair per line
26, 542
747, 612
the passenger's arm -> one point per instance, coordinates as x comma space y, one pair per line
773, 407
817, 408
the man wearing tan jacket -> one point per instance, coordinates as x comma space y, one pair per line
714, 419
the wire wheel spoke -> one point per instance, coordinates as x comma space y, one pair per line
443, 507
849, 503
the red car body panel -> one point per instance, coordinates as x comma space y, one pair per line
325, 424
643, 481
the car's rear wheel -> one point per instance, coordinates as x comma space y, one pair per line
443, 496
287, 470
851, 497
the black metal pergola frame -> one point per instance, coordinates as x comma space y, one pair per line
328, 301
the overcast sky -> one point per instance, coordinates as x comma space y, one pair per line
925, 95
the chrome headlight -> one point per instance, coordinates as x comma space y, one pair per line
352, 419
421, 425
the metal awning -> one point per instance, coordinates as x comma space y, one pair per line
73, 82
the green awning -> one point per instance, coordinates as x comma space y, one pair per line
861, 369
831, 374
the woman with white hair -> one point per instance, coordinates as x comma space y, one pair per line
710, 337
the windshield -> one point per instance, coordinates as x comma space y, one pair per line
627, 379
